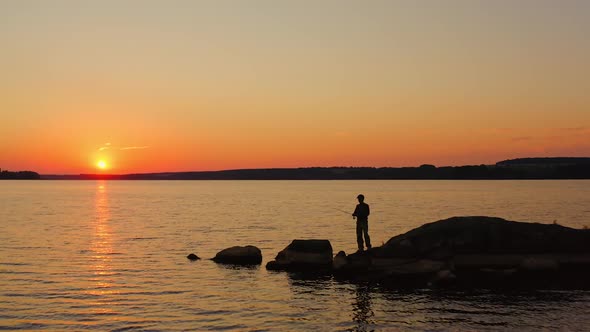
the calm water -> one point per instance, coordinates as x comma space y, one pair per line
110, 255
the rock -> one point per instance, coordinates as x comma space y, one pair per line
193, 257
498, 272
476, 251
465, 235
483, 260
303, 255
384, 262
442, 278
359, 260
461, 251
274, 266
445, 275
339, 261
248, 255
422, 266
539, 263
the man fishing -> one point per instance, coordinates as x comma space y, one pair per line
361, 213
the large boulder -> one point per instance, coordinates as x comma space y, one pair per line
248, 255
467, 235
476, 251
303, 255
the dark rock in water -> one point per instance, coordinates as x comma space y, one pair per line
460, 235
359, 260
193, 257
303, 255
340, 260
476, 251
248, 255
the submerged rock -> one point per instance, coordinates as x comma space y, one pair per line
248, 255
193, 257
303, 255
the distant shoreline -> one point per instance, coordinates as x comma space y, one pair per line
560, 168
516, 169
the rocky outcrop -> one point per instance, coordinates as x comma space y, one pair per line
248, 255
303, 255
476, 251
464, 235
460, 251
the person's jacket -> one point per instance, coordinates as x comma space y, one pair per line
362, 211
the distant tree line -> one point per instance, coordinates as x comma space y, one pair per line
549, 161
21, 175
524, 168
424, 172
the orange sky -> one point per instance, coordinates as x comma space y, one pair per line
150, 86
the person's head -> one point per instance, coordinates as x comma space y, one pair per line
361, 198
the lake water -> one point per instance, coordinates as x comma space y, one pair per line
111, 255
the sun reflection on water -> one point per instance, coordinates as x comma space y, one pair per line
102, 245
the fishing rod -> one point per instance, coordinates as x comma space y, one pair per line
348, 213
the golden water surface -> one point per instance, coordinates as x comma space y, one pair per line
111, 255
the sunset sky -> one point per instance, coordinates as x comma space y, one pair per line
150, 86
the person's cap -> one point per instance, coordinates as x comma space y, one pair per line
360, 196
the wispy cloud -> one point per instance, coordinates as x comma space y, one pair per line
108, 146
134, 147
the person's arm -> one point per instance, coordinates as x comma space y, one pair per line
368, 210
356, 210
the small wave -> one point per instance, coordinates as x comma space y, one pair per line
121, 271
105, 313
15, 295
154, 293
85, 296
232, 327
213, 312
23, 326
122, 301
104, 274
23, 248
131, 327
142, 238
471, 312
16, 272
492, 323
29, 281
15, 264
106, 254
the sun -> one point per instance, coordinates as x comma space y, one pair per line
101, 164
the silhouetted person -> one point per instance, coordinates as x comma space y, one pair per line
361, 213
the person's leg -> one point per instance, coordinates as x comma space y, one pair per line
359, 234
366, 233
